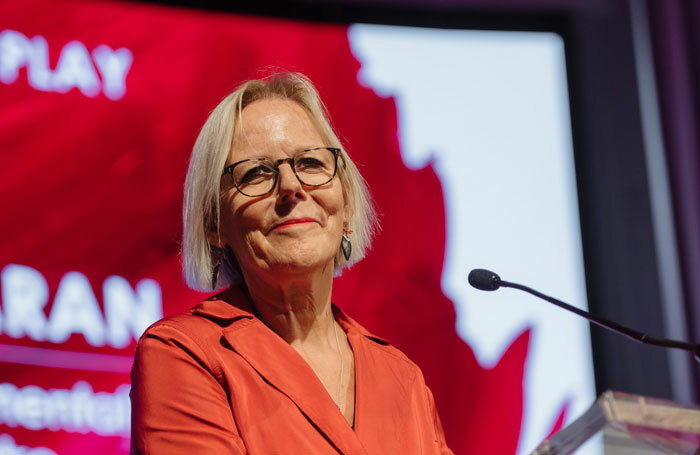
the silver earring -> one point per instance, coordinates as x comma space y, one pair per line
345, 243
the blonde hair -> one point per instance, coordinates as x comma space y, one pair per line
201, 208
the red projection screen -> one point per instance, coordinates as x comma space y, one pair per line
100, 104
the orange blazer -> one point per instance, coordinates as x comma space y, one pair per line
217, 381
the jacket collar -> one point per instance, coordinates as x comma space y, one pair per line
226, 306
280, 365
350, 325
233, 304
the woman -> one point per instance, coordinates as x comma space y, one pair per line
273, 209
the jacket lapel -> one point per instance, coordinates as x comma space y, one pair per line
380, 405
283, 367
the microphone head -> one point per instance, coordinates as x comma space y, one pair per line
484, 280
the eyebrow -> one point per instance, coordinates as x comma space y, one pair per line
296, 151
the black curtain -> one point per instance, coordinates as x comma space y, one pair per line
675, 33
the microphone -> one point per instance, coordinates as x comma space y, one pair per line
486, 280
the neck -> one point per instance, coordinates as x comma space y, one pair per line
296, 307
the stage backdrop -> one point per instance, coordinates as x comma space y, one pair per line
463, 136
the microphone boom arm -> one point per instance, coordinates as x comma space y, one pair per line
614, 326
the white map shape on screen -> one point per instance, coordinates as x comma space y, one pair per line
489, 111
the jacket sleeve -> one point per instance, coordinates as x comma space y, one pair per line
439, 433
178, 406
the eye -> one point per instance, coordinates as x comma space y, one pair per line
256, 174
309, 163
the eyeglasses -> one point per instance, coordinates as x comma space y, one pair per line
258, 176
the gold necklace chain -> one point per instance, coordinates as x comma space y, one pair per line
340, 379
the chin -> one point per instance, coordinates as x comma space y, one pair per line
301, 260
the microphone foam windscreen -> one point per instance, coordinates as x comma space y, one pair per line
484, 280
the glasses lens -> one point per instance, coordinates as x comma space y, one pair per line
254, 177
315, 167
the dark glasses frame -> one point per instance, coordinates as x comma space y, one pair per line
275, 165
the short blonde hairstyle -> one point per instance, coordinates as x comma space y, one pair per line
201, 208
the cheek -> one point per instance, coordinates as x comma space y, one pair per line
239, 223
333, 201
253, 243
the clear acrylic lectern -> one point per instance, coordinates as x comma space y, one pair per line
631, 424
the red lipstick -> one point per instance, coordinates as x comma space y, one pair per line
289, 223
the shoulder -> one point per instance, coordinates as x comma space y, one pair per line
205, 320
178, 337
392, 368
187, 342
181, 329
381, 350
385, 349
193, 337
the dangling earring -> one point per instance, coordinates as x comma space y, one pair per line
217, 267
345, 242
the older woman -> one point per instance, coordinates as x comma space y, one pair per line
273, 209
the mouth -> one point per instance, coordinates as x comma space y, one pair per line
295, 222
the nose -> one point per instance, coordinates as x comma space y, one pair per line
288, 185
